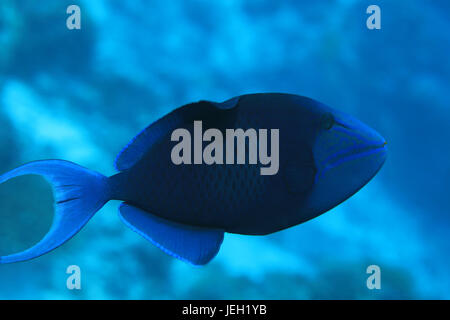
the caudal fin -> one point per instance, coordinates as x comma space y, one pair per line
79, 193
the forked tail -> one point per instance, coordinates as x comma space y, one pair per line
79, 193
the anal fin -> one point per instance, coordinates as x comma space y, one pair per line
188, 243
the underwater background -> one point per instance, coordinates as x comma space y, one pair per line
81, 95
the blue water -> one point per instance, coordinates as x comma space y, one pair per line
81, 95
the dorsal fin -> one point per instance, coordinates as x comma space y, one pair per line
142, 142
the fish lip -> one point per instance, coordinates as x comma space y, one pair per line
368, 150
350, 154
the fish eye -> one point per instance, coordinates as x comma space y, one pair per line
327, 121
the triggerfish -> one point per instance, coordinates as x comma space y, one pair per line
184, 206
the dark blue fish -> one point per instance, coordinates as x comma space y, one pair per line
325, 156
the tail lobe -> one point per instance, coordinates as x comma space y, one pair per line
79, 193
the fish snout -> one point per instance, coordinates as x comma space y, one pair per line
347, 157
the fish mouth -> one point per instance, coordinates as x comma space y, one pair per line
366, 142
353, 153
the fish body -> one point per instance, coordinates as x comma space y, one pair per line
319, 158
235, 198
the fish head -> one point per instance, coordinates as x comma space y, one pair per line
347, 155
